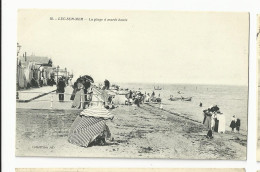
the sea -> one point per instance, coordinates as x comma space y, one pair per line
232, 100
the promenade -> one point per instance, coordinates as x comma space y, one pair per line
48, 99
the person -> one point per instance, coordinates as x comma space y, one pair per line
233, 123
34, 83
79, 96
61, 89
106, 84
144, 97
147, 97
200, 104
74, 91
221, 122
89, 96
70, 82
89, 128
153, 94
137, 100
86, 88
207, 122
213, 121
238, 125
130, 94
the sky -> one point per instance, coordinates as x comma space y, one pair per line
150, 47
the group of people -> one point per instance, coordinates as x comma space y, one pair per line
137, 98
82, 93
89, 128
152, 97
214, 120
235, 124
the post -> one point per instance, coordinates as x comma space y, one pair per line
81, 102
58, 67
51, 100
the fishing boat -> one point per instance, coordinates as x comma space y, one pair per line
186, 98
157, 88
174, 98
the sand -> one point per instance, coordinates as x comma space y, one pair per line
145, 132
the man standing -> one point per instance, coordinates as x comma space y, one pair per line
61, 89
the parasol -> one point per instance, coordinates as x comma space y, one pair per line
89, 78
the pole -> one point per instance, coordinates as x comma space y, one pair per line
81, 102
57, 75
51, 100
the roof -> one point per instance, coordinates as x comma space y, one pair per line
38, 59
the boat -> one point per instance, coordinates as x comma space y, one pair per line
157, 88
186, 98
180, 98
174, 98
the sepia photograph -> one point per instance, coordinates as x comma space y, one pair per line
129, 170
132, 84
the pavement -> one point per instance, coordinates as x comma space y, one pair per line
47, 99
34, 93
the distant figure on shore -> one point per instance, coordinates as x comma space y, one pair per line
238, 125
61, 89
200, 104
106, 84
147, 98
233, 123
153, 94
130, 94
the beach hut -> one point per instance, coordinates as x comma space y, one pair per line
90, 126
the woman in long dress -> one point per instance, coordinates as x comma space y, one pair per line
207, 122
221, 122
79, 96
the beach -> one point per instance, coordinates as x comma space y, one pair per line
145, 132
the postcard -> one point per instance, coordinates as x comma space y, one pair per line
132, 84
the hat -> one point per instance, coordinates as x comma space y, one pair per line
218, 111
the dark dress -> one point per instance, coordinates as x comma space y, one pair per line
238, 124
233, 124
61, 89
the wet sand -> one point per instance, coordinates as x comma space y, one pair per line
145, 132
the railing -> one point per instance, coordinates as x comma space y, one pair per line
52, 93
